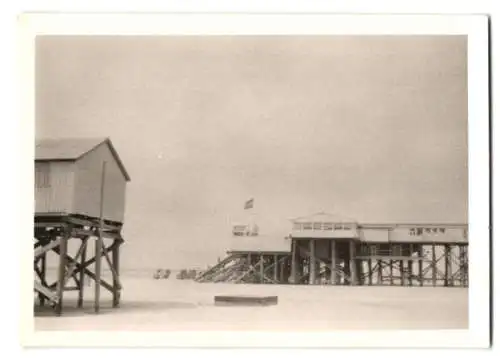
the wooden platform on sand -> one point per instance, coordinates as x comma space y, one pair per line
245, 300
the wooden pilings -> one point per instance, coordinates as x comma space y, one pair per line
312, 262
391, 272
98, 260
333, 263
379, 272
61, 272
447, 266
294, 262
434, 266
352, 263
261, 265
347, 262
116, 279
421, 265
43, 276
83, 257
55, 235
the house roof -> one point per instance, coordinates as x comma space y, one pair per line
324, 218
51, 149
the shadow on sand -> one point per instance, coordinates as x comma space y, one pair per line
70, 309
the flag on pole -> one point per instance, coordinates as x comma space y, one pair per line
249, 204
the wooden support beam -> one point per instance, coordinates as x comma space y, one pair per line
116, 280
93, 259
466, 266
82, 274
282, 266
420, 265
391, 272
434, 265
98, 259
352, 263
261, 263
63, 249
49, 224
72, 264
312, 261
77, 233
42, 250
379, 272
447, 266
43, 276
250, 270
461, 255
333, 262
410, 267
401, 273
99, 242
370, 272
100, 282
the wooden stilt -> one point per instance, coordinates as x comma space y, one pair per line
379, 272
352, 261
401, 273
83, 257
333, 264
261, 270
447, 265
410, 267
97, 283
391, 272
434, 265
466, 266
312, 261
370, 271
421, 265
99, 243
360, 271
63, 250
294, 262
43, 277
116, 275
276, 265
462, 253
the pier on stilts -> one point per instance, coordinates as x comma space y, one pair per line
328, 250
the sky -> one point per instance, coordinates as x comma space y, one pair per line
372, 128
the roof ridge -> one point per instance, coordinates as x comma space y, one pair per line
73, 148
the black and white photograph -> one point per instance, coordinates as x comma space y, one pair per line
253, 182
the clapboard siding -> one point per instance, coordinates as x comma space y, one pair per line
88, 185
54, 186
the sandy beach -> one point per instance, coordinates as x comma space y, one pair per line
183, 305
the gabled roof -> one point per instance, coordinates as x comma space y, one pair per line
323, 217
51, 149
